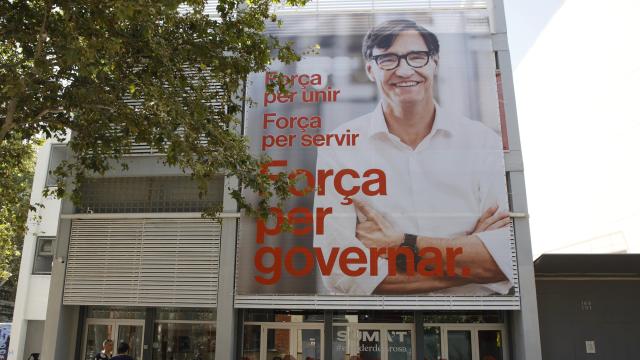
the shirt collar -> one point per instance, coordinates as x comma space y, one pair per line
443, 121
378, 125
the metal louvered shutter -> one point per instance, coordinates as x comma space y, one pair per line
143, 262
370, 5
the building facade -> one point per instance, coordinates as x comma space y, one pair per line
136, 262
587, 305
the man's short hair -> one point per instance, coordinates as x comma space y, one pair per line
106, 341
123, 348
383, 36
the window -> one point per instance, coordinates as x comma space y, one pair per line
283, 316
187, 314
57, 155
44, 254
115, 312
182, 333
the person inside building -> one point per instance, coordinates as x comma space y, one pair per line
123, 352
107, 350
435, 186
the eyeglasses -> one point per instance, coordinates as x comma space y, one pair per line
390, 61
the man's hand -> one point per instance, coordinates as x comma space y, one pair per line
491, 219
376, 231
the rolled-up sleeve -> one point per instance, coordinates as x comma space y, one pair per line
493, 191
497, 242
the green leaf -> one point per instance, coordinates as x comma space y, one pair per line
69, 68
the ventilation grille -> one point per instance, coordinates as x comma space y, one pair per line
143, 262
148, 195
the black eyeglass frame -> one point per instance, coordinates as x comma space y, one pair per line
400, 57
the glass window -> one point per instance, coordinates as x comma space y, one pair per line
340, 342
57, 155
490, 344
432, 341
96, 334
399, 345
187, 314
369, 345
457, 317
309, 344
373, 317
258, 315
184, 341
282, 316
44, 254
134, 336
278, 344
251, 342
459, 344
115, 312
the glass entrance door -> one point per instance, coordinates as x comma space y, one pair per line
459, 345
278, 344
291, 341
133, 334
98, 330
464, 342
309, 345
373, 341
95, 333
490, 345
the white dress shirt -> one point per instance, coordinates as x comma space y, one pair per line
440, 189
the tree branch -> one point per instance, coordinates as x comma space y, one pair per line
47, 111
8, 123
101, 107
42, 34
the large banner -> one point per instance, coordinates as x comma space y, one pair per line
391, 130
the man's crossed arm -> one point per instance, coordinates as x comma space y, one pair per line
376, 232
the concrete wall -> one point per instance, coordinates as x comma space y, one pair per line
604, 311
33, 343
525, 337
33, 290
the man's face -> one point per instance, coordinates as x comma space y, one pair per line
108, 347
404, 86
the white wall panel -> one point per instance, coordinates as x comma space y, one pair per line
36, 304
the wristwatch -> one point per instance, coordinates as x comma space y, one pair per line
410, 241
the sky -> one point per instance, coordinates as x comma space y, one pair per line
577, 83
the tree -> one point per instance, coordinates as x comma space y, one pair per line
16, 173
69, 64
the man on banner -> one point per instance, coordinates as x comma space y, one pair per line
445, 199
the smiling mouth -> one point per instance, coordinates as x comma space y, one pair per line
406, 84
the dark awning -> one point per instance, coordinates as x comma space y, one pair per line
616, 265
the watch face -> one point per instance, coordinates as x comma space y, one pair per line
410, 240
